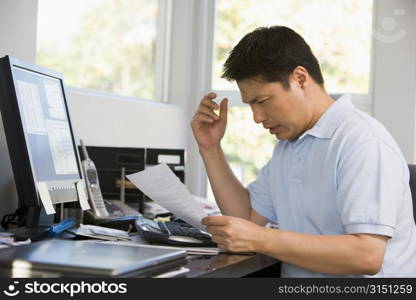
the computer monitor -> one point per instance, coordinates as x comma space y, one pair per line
39, 136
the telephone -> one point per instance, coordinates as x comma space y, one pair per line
93, 186
101, 209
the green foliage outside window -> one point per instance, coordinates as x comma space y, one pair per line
112, 48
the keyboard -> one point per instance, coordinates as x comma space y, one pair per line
173, 228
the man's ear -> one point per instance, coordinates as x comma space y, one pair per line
299, 76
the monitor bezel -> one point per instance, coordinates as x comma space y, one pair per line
21, 162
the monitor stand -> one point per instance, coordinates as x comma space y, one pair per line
37, 221
24, 233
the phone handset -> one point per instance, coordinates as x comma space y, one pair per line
93, 186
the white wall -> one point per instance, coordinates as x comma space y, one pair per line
18, 28
394, 90
105, 120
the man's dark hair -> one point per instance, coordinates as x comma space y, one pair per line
271, 54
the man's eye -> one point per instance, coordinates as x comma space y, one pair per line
262, 101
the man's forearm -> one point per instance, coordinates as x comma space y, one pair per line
336, 254
232, 198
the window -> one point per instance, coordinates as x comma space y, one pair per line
339, 33
107, 45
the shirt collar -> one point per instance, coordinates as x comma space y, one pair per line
327, 124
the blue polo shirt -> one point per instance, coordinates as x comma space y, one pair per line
345, 175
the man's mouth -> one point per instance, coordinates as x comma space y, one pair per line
274, 129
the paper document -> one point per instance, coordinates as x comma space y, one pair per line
161, 185
101, 233
82, 195
7, 239
45, 198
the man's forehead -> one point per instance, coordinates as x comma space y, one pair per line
251, 89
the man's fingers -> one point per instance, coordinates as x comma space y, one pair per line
203, 118
211, 95
215, 230
219, 239
215, 220
209, 103
207, 111
223, 247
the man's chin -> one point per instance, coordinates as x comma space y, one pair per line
280, 136
283, 136
281, 133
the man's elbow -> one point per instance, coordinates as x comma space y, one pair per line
373, 262
370, 253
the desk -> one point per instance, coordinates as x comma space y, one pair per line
230, 266
218, 266
225, 265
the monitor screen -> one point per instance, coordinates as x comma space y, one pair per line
46, 127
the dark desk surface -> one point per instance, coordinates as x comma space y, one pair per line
213, 266
228, 265
224, 264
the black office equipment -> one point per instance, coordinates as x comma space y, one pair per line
122, 223
174, 158
109, 161
79, 258
173, 233
102, 210
412, 182
39, 137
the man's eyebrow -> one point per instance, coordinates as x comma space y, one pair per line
254, 100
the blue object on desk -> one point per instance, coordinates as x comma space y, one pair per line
56, 229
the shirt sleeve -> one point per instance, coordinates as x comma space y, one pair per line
260, 196
370, 189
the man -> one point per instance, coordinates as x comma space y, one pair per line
337, 183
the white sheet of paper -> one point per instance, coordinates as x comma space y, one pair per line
45, 198
161, 185
82, 195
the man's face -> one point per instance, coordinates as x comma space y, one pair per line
285, 113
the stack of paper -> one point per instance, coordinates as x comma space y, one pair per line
102, 233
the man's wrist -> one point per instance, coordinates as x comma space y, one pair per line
211, 151
266, 241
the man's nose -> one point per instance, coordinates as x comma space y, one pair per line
258, 115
